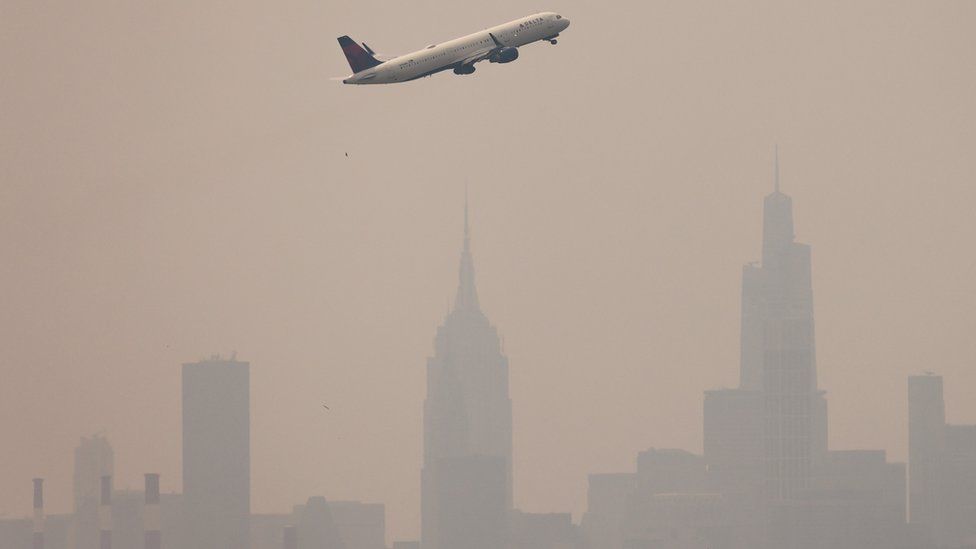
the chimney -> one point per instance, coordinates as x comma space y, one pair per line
152, 519
291, 538
38, 513
105, 514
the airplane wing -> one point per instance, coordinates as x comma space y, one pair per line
483, 53
480, 55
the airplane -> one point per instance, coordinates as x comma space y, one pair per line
498, 45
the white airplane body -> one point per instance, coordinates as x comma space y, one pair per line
497, 45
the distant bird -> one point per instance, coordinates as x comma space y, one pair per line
326, 407
347, 155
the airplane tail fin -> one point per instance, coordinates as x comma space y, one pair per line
359, 59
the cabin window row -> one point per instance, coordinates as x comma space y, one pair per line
442, 54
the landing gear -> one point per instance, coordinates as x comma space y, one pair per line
464, 69
553, 41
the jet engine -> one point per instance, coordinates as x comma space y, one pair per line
504, 55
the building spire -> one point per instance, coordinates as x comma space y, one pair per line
777, 218
467, 294
776, 167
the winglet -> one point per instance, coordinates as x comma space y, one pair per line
496, 40
369, 50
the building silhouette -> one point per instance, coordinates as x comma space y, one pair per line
767, 478
93, 459
216, 454
773, 427
316, 526
942, 467
545, 531
926, 449
778, 345
360, 525
467, 427
733, 443
608, 499
322, 524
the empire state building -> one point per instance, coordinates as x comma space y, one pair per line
466, 479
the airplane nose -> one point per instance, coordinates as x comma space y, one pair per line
565, 22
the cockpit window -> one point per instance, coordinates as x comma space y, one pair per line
559, 17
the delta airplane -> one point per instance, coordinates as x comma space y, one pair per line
498, 45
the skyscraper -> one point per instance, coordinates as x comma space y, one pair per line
942, 466
216, 453
467, 426
772, 430
778, 341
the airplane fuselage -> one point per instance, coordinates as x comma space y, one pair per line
460, 54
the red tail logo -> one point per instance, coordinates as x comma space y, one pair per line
359, 58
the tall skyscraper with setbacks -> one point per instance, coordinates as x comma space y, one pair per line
778, 354
216, 454
771, 432
467, 472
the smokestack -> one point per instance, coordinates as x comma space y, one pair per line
105, 514
152, 519
291, 538
38, 513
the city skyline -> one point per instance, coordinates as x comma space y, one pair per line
175, 184
767, 476
459, 342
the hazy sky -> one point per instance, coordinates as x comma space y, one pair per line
173, 184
